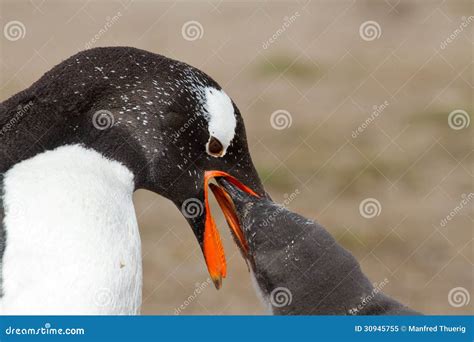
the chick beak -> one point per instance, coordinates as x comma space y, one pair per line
212, 244
228, 209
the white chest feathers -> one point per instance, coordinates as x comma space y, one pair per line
73, 245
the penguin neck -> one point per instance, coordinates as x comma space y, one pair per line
71, 230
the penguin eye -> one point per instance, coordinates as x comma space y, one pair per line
214, 147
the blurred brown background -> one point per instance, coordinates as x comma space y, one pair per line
322, 65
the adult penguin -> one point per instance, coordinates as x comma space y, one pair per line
73, 148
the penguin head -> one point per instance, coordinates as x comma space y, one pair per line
206, 137
178, 124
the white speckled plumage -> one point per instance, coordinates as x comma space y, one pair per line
220, 116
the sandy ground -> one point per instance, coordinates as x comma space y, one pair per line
320, 70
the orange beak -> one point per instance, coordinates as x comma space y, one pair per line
212, 245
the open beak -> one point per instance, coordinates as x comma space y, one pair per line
212, 244
228, 209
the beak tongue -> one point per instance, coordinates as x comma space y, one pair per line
212, 244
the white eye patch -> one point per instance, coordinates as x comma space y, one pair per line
221, 119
